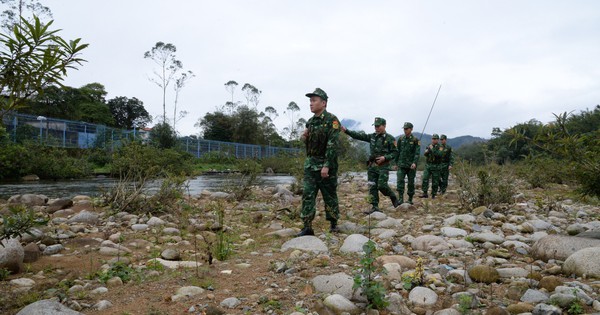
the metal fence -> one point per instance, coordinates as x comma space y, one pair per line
75, 134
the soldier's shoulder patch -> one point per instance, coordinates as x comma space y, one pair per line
335, 124
418, 142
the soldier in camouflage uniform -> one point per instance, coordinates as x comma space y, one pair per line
446, 166
433, 155
321, 164
382, 146
409, 149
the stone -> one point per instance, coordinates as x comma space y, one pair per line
560, 247
422, 296
549, 283
176, 264
496, 310
354, 243
519, 308
185, 292
459, 219
170, 254
30, 200
31, 253
283, 233
483, 273
534, 296
53, 249
403, 261
514, 272
545, 309
430, 243
339, 283
584, 262
447, 311
11, 255
453, 232
58, 204
306, 243
487, 237
47, 307
340, 304
103, 305
85, 217
154, 221
231, 302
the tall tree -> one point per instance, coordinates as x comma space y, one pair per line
163, 55
129, 113
17, 9
180, 82
34, 57
292, 111
230, 106
252, 94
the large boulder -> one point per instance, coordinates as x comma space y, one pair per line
430, 243
584, 262
560, 247
30, 200
47, 307
11, 255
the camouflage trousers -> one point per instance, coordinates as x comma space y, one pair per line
433, 171
313, 183
444, 174
378, 177
406, 172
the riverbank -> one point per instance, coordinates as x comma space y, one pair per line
510, 258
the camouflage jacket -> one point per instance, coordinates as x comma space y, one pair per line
447, 155
379, 144
322, 141
434, 155
409, 149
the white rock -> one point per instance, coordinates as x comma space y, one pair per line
422, 296
339, 304
354, 243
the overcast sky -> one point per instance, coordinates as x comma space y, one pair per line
499, 62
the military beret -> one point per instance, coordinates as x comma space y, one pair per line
435, 136
407, 125
379, 121
318, 92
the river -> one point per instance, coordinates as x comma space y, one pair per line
95, 187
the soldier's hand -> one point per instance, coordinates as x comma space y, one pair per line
430, 146
325, 172
395, 167
343, 129
449, 167
379, 160
413, 166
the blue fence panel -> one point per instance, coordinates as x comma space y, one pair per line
74, 134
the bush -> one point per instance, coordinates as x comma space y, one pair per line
541, 171
485, 185
56, 163
14, 161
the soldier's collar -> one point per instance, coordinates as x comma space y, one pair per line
322, 114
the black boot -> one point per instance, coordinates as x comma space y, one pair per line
333, 227
306, 231
395, 201
424, 195
410, 199
373, 209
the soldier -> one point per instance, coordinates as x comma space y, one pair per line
409, 149
321, 164
383, 151
433, 155
446, 166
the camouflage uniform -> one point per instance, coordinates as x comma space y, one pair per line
432, 168
378, 175
447, 161
321, 151
409, 149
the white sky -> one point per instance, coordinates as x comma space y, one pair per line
499, 62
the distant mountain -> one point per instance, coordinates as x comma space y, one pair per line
351, 124
455, 143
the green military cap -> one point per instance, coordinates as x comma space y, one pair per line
407, 125
379, 121
318, 92
443, 137
435, 136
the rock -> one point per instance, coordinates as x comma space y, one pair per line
30, 200
339, 283
453, 232
595, 234
176, 264
31, 253
487, 237
154, 221
283, 233
514, 272
574, 292
171, 231
550, 283
307, 243
22, 282
140, 227
85, 217
459, 219
30, 178
53, 249
560, 247
545, 309
584, 262
231, 302
170, 254
11, 255
47, 307
496, 310
393, 271
575, 229
479, 210
59, 204
354, 243
483, 273
447, 311
114, 282
403, 261
99, 291
519, 308
422, 296
185, 292
430, 243
339, 304
103, 305
534, 296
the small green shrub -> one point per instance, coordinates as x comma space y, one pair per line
19, 221
119, 269
365, 278
4, 273
483, 186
